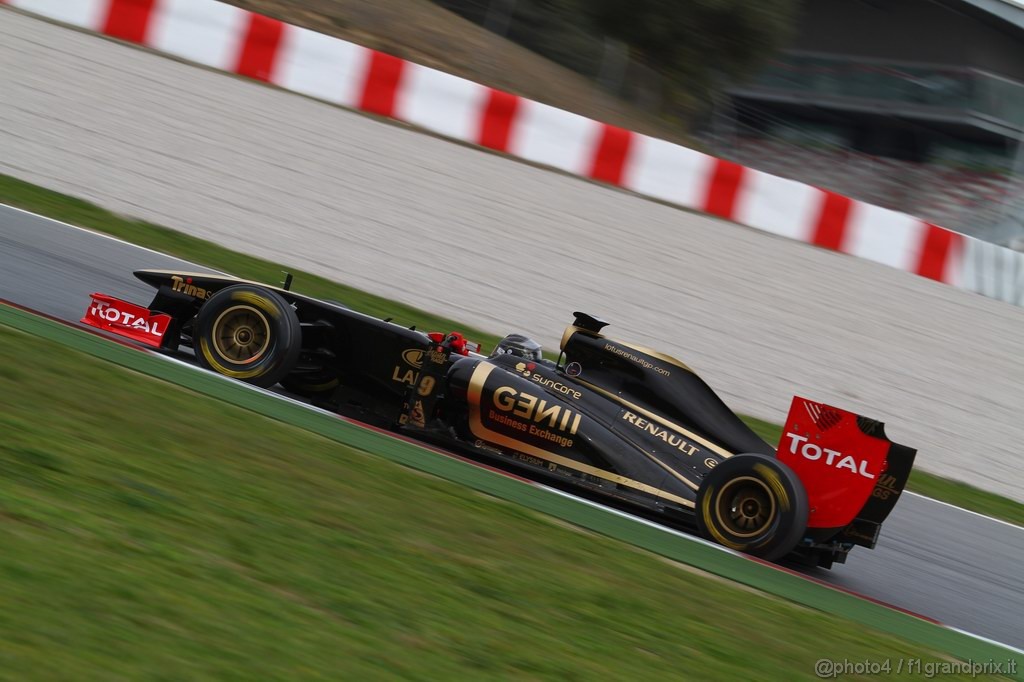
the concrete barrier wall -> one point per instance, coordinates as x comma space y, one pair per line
224, 37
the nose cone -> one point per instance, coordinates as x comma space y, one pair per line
154, 278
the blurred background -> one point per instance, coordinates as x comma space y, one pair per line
156, 530
913, 105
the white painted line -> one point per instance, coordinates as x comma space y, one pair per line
111, 238
985, 639
694, 538
638, 519
967, 511
258, 389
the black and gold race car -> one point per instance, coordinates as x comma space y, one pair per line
612, 421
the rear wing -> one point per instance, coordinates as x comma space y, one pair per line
852, 472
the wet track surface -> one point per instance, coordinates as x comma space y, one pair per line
942, 562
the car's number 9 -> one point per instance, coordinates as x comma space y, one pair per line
426, 386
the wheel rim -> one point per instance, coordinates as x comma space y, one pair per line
745, 506
241, 334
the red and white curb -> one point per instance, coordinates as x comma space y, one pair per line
233, 40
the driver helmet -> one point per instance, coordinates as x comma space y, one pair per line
519, 346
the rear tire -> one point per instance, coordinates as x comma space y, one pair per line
753, 504
248, 333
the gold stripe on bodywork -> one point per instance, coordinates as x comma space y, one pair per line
216, 277
656, 354
667, 468
475, 398
572, 329
661, 420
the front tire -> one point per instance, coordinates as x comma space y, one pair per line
753, 504
248, 333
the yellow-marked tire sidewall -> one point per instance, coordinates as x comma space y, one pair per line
711, 523
717, 526
783, 529
258, 301
282, 328
771, 478
211, 357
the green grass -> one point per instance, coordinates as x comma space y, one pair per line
30, 197
223, 545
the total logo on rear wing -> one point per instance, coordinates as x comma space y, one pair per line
848, 466
127, 319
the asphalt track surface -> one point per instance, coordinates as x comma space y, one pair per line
509, 247
957, 567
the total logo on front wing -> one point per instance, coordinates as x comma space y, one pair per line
126, 319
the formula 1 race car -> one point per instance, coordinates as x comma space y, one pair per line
611, 421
